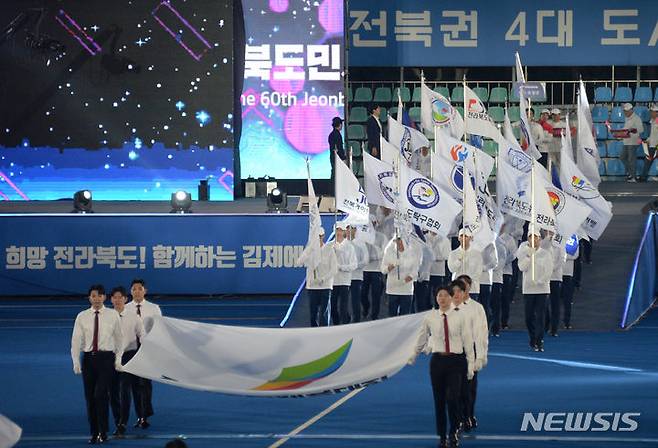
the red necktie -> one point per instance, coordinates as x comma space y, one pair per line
446, 333
94, 344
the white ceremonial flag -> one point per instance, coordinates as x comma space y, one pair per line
436, 111
471, 215
574, 182
425, 204
476, 119
10, 432
458, 152
587, 153
407, 139
275, 362
390, 153
350, 196
527, 140
379, 179
570, 213
520, 76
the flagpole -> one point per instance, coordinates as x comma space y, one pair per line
464, 180
396, 170
533, 218
308, 173
336, 160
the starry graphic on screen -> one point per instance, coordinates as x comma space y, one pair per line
129, 98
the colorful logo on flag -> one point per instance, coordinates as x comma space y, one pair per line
475, 106
457, 178
585, 189
386, 184
441, 111
557, 200
525, 137
458, 153
422, 194
405, 145
519, 160
296, 377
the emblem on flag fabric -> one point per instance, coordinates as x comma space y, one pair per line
386, 184
519, 160
475, 106
422, 194
441, 111
458, 153
405, 145
585, 189
557, 200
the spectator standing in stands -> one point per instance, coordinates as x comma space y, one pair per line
541, 137
651, 142
319, 280
556, 123
374, 131
346, 263
401, 264
335, 145
362, 258
145, 310
634, 126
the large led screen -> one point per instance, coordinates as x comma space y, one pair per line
293, 86
131, 99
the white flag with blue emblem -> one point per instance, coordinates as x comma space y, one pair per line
407, 139
471, 213
379, 180
527, 140
436, 111
476, 119
350, 196
425, 204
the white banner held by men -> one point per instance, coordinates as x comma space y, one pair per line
436, 111
407, 139
476, 119
274, 362
379, 179
350, 196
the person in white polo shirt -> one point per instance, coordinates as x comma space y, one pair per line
466, 260
400, 264
633, 124
346, 263
536, 284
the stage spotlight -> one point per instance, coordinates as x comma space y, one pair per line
277, 201
82, 202
181, 202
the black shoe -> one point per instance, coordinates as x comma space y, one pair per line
474, 422
553, 334
102, 437
467, 426
138, 423
145, 424
540, 346
454, 441
443, 443
93, 440
120, 431
496, 335
505, 327
568, 327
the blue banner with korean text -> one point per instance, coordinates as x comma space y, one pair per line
422, 33
174, 254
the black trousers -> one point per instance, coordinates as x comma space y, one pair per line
516, 274
355, 297
145, 397
567, 298
535, 310
422, 296
124, 387
506, 298
577, 270
446, 375
496, 306
318, 302
468, 394
97, 373
556, 291
484, 298
340, 297
435, 282
372, 289
399, 305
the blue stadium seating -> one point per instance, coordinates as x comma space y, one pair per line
647, 130
601, 131
617, 115
643, 94
614, 167
653, 170
655, 96
602, 149
623, 95
600, 114
601, 168
604, 94
643, 113
614, 148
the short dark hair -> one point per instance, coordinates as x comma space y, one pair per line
372, 107
466, 278
138, 281
445, 288
98, 288
457, 283
176, 443
119, 289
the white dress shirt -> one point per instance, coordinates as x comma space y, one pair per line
406, 262
362, 258
477, 318
471, 266
440, 246
653, 136
132, 328
431, 336
346, 262
321, 277
543, 269
633, 122
143, 309
110, 338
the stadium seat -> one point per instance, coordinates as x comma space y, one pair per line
357, 168
514, 113
355, 147
653, 169
442, 90
639, 152
537, 109
393, 112
614, 148
382, 95
513, 96
643, 113
602, 95
457, 95
602, 149
460, 109
356, 132
600, 114
490, 147
643, 94
645, 133
415, 98
350, 96
363, 95
482, 93
517, 132
655, 96
497, 114
617, 115
498, 95
601, 131
639, 166
405, 94
623, 95
414, 114
383, 115
614, 167
358, 114
601, 168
